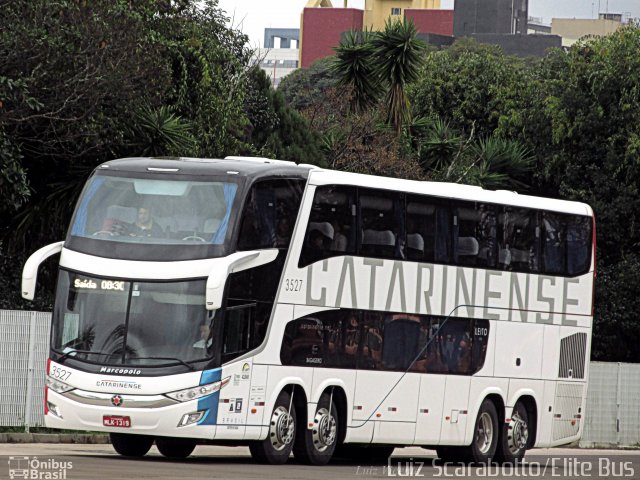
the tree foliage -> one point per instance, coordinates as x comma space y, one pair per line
373, 65
305, 86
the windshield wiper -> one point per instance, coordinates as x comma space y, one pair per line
190, 367
68, 354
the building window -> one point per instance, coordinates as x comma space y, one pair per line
396, 11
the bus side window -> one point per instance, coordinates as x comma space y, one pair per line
578, 244
342, 330
553, 242
303, 343
269, 214
382, 224
428, 229
331, 230
467, 246
452, 347
518, 240
401, 340
443, 234
238, 322
372, 331
421, 229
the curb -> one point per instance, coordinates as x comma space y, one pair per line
54, 438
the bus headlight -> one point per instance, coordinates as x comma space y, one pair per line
198, 392
58, 386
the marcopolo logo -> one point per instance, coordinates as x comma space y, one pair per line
120, 371
38, 469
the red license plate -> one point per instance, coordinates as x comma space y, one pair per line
116, 421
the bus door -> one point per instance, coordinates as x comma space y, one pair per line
449, 354
239, 319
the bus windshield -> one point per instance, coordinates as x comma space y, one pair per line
116, 322
155, 211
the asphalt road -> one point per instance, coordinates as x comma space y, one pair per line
84, 462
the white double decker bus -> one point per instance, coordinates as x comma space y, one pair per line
295, 309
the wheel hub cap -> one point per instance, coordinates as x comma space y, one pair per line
281, 430
324, 430
518, 433
484, 434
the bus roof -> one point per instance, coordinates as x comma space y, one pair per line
255, 168
448, 190
247, 167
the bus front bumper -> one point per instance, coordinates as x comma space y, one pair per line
154, 415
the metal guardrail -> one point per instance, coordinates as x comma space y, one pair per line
612, 416
24, 343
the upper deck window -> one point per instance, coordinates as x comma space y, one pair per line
149, 211
422, 228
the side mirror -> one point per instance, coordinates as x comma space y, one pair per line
30, 270
236, 262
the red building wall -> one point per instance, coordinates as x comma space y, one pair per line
439, 22
322, 29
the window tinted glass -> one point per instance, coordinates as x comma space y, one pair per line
387, 341
127, 323
476, 242
429, 229
270, 214
382, 224
151, 211
579, 233
553, 242
332, 225
326, 339
401, 342
237, 330
518, 240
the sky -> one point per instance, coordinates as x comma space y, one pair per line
253, 16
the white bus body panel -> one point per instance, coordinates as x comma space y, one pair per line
430, 409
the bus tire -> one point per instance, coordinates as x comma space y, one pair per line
175, 447
315, 446
514, 437
485, 435
129, 445
276, 448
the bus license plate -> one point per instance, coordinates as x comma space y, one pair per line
116, 421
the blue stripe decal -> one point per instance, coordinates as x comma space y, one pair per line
210, 402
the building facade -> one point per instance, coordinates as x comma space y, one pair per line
573, 29
378, 12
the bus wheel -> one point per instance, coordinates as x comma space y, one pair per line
315, 446
514, 437
130, 445
485, 435
175, 447
276, 448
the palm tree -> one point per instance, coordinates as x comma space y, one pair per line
490, 162
499, 163
158, 131
398, 58
354, 66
